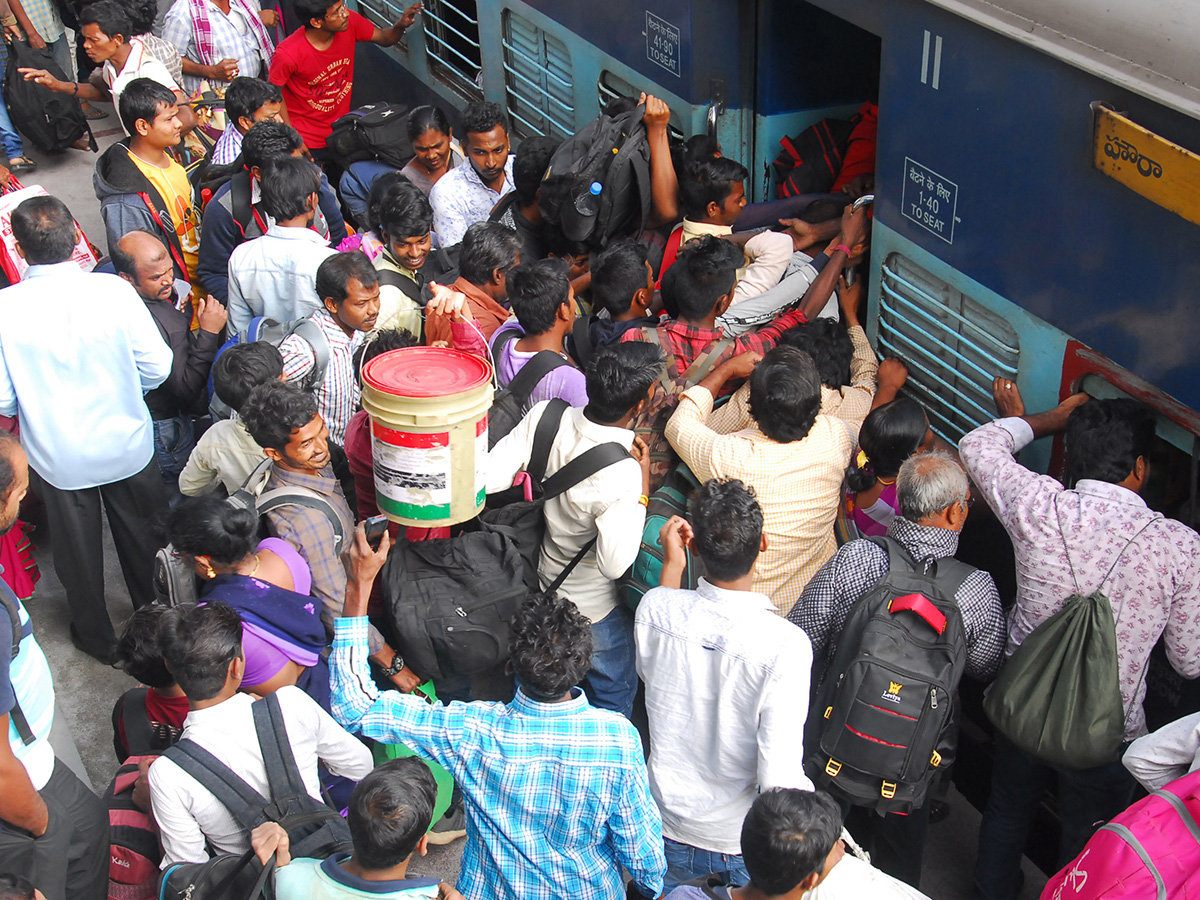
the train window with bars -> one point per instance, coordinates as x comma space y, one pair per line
609, 87
953, 346
538, 80
451, 42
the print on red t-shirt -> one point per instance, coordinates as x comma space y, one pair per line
316, 83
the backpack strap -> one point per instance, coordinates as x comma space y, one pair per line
1136, 846
667, 378
139, 735
16, 715
583, 466
704, 363
581, 336
543, 439
310, 332
244, 803
949, 572
570, 567
535, 369
283, 776
293, 495
402, 283
241, 189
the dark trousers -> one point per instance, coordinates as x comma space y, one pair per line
71, 859
896, 842
135, 507
1086, 799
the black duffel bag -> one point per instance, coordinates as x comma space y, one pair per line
53, 122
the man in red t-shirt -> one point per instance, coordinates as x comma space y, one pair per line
314, 66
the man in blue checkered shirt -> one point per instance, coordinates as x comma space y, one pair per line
556, 791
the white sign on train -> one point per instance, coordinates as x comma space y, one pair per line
929, 200
662, 43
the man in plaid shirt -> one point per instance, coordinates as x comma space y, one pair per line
557, 795
934, 494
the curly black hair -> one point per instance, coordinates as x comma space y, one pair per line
550, 642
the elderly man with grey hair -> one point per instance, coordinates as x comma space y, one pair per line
934, 496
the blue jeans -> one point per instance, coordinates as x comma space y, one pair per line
611, 682
687, 863
174, 440
1086, 799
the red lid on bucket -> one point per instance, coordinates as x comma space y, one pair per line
426, 372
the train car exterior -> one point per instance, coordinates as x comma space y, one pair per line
999, 246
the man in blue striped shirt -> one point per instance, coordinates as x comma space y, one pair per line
556, 791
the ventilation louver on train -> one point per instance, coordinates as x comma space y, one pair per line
953, 346
538, 81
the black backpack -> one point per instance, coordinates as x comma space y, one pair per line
614, 151
53, 122
314, 829
884, 721
451, 599
511, 402
376, 131
809, 162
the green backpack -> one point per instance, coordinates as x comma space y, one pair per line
1059, 697
671, 499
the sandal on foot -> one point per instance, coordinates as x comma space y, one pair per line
91, 113
19, 164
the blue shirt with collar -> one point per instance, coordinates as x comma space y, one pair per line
78, 351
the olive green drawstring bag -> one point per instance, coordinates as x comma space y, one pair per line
1058, 696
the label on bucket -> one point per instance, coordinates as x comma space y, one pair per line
414, 472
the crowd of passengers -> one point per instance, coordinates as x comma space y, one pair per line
702, 342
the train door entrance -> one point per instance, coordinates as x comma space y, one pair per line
806, 65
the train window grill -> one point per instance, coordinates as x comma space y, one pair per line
953, 346
538, 80
609, 87
452, 42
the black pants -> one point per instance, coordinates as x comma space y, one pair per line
135, 507
894, 841
71, 859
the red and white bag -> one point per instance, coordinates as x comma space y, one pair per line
11, 262
1152, 850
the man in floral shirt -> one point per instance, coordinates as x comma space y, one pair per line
1065, 542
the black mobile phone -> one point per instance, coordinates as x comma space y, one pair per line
374, 528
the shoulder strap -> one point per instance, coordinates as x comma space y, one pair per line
16, 715
1136, 846
240, 190
283, 776
543, 438
311, 333
246, 805
402, 283
535, 369
299, 496
667, 378
705, 362
139, 736
581, 335
1067, 550
570, 567
583, 466
949, 572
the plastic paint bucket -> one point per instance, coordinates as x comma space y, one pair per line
429, 413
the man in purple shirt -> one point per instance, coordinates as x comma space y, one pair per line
544, 304
1094, 526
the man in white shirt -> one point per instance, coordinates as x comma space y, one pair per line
202, 645
726, 686
607, 510
77, 381
275, 275
466, 194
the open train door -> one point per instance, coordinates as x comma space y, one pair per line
805, 65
